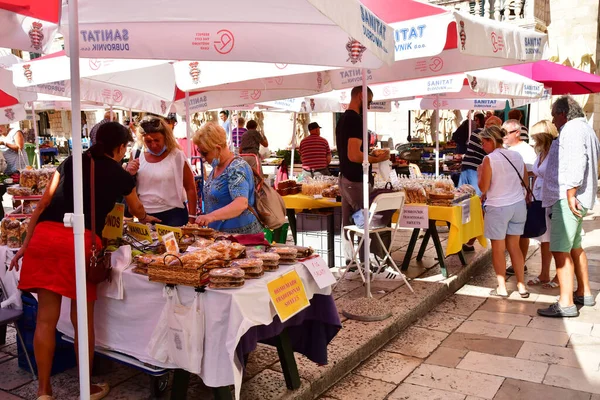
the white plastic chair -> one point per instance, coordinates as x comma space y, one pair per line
383, 202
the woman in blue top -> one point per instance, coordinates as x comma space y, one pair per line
229, 189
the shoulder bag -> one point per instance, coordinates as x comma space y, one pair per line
270, 207
98, 267
535, 225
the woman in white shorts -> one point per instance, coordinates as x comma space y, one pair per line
505, 209
543, 133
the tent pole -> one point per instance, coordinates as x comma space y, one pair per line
188, 128
36, 135
437, 135
76, 220
365, 164
295, 116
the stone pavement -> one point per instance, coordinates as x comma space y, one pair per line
475, 347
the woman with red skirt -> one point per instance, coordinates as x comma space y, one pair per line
48, 251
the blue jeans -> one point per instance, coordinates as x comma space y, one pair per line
469, 177
174, 217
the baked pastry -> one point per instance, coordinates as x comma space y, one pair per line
201, 243
247, 263
253, 275
225, 285
228, 250
215, 264
226, 278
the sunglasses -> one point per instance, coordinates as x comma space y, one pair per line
513, 131
151, 126
202, 153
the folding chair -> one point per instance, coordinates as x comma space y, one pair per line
11, 316
381, 203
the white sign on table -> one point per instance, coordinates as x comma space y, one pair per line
466, 211
415, 217
320, 271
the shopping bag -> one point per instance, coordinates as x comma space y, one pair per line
185, 333
157, 347
535, 225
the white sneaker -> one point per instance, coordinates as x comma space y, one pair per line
387, 273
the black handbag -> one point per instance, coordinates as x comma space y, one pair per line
535, 224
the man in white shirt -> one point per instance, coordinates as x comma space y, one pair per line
513, 142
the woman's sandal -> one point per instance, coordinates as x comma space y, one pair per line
495, 293
524, 295
536, 281
550, 285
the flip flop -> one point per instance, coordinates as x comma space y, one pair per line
550, 285
524, 295
536, 281
495, 293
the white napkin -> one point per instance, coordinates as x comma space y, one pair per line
13, 295
120, 260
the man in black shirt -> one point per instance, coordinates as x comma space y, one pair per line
349, 139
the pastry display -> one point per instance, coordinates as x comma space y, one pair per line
17, 190
28, 178
316, 186
287, 255
44, 178
11, 233
270, 260
197, 230
175, 276
228, 250
247, 263
226, 278
201, 243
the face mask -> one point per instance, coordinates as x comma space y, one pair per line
215, 162
160, 153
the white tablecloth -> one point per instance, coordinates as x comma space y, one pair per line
127, 325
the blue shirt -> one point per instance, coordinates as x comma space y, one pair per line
236, 181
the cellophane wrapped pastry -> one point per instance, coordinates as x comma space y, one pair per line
44, 177
28, 178
17, 190
12, 229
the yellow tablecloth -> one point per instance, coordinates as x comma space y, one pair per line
301, 202
460, 233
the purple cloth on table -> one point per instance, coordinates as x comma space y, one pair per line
310, 330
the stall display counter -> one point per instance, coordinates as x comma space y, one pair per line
460, 232
298, 202
235, 321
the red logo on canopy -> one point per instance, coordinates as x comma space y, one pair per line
281, 66
9, 113
225, 43
355, 50
117, 96
28, 73
255, 94
195, 72
463, 34
436, 64
497, 42
36, 35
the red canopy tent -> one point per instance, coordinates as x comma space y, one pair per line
560, 78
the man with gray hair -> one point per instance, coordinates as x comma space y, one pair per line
513, 141
570, 187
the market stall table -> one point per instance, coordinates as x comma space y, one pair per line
460, 232
235, 320
299, 202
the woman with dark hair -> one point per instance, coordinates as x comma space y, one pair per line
48, 249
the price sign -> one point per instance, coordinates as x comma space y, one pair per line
288, 295
415, 217
171, 243
139, 231
319, 271
162, 230
466, 211
113, 227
